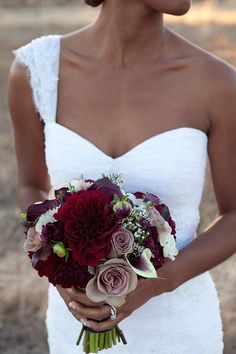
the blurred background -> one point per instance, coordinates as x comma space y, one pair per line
23, 296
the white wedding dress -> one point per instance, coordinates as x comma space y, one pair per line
172, 165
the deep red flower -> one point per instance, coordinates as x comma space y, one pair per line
172, 225
89, 223
35, 210
72, 274
59, 272
106, 186
152, 243
48, 267
52, 231
163, 210
139, 195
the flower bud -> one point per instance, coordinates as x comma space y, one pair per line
122, 209
60, 249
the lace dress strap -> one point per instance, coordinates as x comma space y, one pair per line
41, 57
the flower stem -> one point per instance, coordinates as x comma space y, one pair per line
93, 342
106, 340
114, 336
96, 342
110, 338
80, 336
121, 335
101, 340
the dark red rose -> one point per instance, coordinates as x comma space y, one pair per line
89, 223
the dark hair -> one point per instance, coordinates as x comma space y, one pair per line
94, 3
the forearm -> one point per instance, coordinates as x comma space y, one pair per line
211, 247
27, 195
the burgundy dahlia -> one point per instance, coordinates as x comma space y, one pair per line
89, 223
71, 274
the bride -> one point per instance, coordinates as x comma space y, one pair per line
127, 93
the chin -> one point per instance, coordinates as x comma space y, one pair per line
171, 7
183, 8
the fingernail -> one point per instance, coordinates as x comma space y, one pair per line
84, 322
88, 324
72, 305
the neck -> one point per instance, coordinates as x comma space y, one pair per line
127, 32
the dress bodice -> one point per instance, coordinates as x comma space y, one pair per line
171, 164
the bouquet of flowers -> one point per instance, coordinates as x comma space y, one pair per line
94, 236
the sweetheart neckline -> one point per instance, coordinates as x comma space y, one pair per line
131, 150
134, 148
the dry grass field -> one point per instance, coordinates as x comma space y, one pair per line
23, 297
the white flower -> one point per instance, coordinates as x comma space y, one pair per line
134, 200
44, 219
169, 250
167, 241
79, 185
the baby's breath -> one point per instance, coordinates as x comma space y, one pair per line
71, 188
137, 249
115, 177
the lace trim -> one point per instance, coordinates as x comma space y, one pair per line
41, 59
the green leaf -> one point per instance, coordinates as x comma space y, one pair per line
116, 198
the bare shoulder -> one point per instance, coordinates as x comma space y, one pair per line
206, 63
217, 80
214, 76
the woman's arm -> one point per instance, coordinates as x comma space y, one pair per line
32, 177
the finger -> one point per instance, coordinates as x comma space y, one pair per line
105, 325
98, 313
77, 317
81, 297
65, 294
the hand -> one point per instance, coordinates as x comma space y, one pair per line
90, 313
84, 307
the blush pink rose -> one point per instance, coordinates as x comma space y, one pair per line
33, 241
113, 281
122, 242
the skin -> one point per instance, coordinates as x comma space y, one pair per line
128, 64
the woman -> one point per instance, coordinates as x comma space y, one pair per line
135, 97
